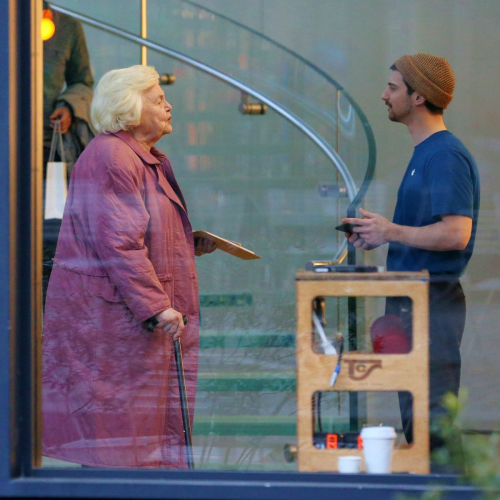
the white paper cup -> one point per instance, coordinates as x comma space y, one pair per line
378, 443
349, 465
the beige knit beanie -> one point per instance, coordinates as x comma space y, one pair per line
430, 76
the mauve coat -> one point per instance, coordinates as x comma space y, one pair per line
125, 253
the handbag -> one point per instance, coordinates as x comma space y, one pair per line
56, 188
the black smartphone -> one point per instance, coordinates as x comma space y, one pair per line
346, 227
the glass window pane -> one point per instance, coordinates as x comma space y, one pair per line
277, 182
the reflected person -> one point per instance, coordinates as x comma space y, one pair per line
67, 96
125, 254
67, 87
435, 219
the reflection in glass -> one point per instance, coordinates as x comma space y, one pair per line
256, 180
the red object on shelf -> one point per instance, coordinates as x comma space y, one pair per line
389, 336
360, 442
332, 441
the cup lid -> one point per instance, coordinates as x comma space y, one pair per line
350, 458
379, 432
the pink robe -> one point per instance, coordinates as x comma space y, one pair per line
125, 253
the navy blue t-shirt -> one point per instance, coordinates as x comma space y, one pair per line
442, 178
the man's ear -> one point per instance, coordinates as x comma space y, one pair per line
418, 99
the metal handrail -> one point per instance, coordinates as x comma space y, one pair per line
331, 154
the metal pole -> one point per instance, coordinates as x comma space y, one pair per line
351, 305
144, 31
337, 147
36, 218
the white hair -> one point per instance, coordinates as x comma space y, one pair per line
117, 102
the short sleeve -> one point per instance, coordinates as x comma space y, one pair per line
451, 184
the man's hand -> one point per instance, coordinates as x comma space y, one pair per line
452, 232
203, 246
63, 114
371, 231
170, 321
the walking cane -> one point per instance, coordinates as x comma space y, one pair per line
184, 403
150, 324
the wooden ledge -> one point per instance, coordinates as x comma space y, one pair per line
385, 276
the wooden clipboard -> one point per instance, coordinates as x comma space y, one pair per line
228, 246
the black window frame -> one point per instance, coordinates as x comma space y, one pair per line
20, 246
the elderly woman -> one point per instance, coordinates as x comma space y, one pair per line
125, 255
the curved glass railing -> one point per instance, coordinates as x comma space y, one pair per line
269, 181
239, 85
313, 93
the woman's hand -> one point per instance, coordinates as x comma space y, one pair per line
170, 321
203, 246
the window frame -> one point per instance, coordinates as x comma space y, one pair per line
20, 298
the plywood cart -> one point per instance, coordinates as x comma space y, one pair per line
362, 371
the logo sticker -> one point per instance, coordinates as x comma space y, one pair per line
361, 369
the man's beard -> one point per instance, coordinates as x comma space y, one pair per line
399, 117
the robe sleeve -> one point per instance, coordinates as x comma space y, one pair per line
118, 224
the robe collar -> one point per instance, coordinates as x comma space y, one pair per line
167, 181
148, 157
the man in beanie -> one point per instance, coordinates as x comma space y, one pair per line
435, 219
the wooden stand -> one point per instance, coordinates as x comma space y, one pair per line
394, 372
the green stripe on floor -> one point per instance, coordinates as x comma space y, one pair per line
211, 339
236, 425
257, 382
